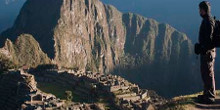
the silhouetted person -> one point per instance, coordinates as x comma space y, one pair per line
207, 53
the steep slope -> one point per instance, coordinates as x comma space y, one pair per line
91, 34
158, 42
82, 26
87, 34
24, 52
157, 57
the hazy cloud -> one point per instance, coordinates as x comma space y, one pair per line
9, 1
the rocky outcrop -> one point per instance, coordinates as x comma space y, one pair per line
24, 52
88, 35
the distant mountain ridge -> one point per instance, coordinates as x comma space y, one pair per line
88, 35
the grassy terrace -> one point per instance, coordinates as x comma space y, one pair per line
187, 102
59, 91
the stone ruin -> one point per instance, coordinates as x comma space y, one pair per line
19, 90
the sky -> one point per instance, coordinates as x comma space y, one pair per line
181, 14
9, 10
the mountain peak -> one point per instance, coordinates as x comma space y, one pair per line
88, 35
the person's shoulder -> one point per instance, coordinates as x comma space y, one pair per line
209, 21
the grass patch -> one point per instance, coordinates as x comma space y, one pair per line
183, 102
58, 90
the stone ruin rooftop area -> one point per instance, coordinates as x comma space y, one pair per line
45, 89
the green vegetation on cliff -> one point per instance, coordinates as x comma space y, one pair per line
6, 64
28, 51
24, 52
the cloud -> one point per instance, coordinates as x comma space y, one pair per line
9, 1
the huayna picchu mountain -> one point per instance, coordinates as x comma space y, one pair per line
89, 35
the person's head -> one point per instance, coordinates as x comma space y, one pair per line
204, 8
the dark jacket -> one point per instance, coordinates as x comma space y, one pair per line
206, 34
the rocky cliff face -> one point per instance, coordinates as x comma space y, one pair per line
91, 34
87, 34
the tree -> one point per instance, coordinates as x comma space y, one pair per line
6, 64
69, 96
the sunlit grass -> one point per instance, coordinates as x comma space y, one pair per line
58, 90
183, 102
